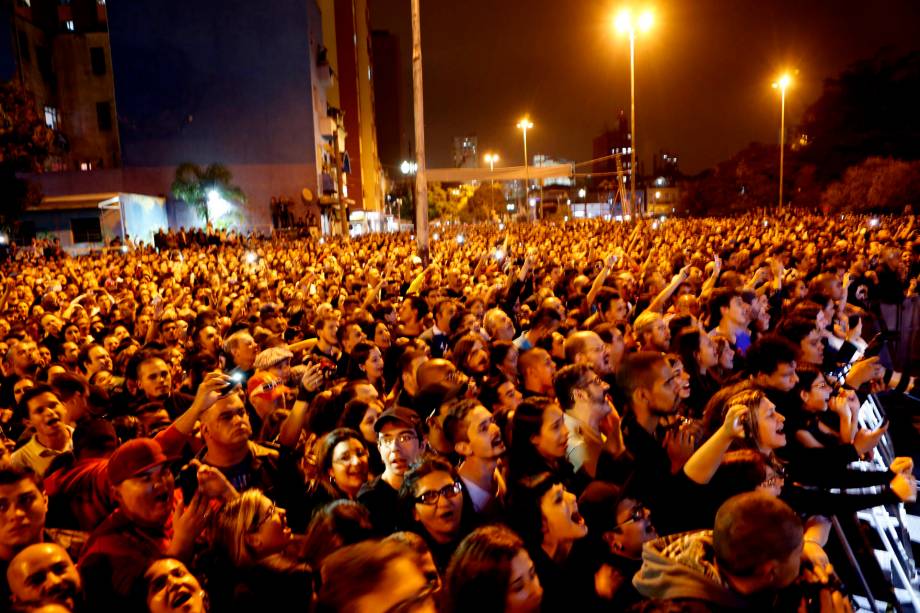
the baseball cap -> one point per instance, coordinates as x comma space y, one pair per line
264, 385
135, 457
400, 415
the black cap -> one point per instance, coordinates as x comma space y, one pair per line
402, 416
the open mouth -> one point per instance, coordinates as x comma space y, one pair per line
163, 497
180, 596
447, 515
497, 441
577, 518
54, 421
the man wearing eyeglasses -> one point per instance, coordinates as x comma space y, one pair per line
593, 423
400, 439
624, 526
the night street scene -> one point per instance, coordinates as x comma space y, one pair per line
418, 306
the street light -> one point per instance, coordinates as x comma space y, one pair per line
525, 124
781, 84
626, 22
490, 159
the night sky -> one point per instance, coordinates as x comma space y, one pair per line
703, 73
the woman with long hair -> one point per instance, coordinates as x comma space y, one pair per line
807, 424
360, 416
341, 466
491, 572
538, 443
367, 363
251, 568
545, 514
698, 354
471, 356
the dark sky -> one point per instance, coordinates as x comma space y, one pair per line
703, 73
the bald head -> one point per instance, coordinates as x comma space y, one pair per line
434, 371
44, 573
586, 347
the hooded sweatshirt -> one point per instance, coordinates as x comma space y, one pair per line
682, 567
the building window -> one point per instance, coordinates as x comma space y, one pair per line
68, 25
104, 116
52, 117
86, 165
86, 230
97, 60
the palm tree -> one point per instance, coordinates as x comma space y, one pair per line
194, 184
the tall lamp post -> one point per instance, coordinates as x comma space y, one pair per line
525, 124
490, 159
627, 22
781, 84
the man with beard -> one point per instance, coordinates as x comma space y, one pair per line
44, 574
651, 332
121, 548
472, 430
611, 554
592, 422
400, 441
650, 390
586, 347
43, 412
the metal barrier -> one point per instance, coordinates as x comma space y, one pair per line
889, 523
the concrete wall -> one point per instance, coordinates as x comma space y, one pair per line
79, 90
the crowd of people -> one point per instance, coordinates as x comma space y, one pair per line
544, 417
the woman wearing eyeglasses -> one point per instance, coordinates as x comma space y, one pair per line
546, 517
251, 568
436, 506
341, 468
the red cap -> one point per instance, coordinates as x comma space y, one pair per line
135, 457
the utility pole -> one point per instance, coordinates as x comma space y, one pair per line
421, 185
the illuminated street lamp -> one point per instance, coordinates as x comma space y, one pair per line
490, 159
627, 22
781, 84
525, 124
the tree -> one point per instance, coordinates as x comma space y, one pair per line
195, 186
449, 201
485, 203
25, 142
869, 110
875, 184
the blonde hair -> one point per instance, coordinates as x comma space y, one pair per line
237, 519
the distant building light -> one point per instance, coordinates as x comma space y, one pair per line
657, 195
68, 25
510, 207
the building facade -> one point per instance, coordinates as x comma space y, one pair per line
60, 52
